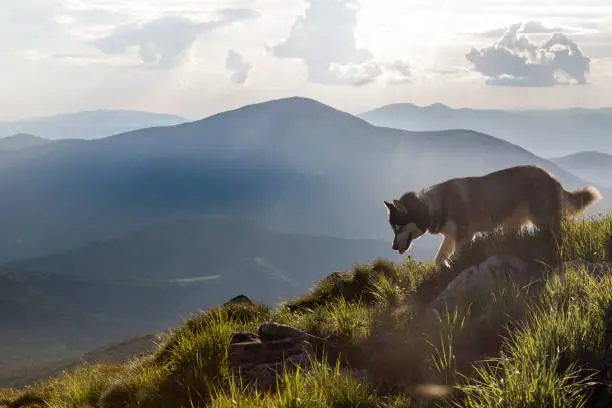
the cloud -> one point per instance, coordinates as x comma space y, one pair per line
238, 68
527, 27
163, 42
515, 60
239, 13
323, 38
398, 72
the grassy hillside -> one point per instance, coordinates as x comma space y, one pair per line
541, 344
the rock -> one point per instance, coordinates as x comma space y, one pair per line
255, 353
240, 337
276, 348
479, 280
259, 363
239, 299
273, 331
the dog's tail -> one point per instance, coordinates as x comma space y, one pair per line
577, 200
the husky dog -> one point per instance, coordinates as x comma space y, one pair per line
461, 207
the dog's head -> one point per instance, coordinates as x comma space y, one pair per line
408, 220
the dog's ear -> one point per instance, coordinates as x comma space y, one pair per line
399, 206
390, 207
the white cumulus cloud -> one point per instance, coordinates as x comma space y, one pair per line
323, 38
164, 41
518, 61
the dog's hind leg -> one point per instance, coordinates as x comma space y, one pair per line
516, 222
546, 210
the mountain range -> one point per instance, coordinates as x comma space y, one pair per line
292, 164
21, 141
548, 133
91, 124
106, 238
590, 165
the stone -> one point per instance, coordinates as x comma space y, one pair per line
266, 352
242, 337
239, 299
276, 348
274, 331
479, 280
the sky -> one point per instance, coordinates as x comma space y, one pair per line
198, 57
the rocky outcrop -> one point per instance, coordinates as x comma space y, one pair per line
275, 348
478, 281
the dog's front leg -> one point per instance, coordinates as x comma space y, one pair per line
462, 244
447, 247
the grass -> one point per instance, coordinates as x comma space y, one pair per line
545, 344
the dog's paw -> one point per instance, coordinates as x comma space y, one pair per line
443, 263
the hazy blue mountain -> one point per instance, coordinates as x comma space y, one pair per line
292, 164
21, 141
589, 165
88, 124
543, 132
147, 281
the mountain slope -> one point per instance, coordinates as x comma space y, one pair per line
68, 303
292, 164
45, 316
21, 141
214, 248
590, 165
119, 352
88, 124
544, 132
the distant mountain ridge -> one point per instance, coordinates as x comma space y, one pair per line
551, 132
93, 124
22, 141
293, 164
591, 165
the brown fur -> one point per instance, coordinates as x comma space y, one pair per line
511, 198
